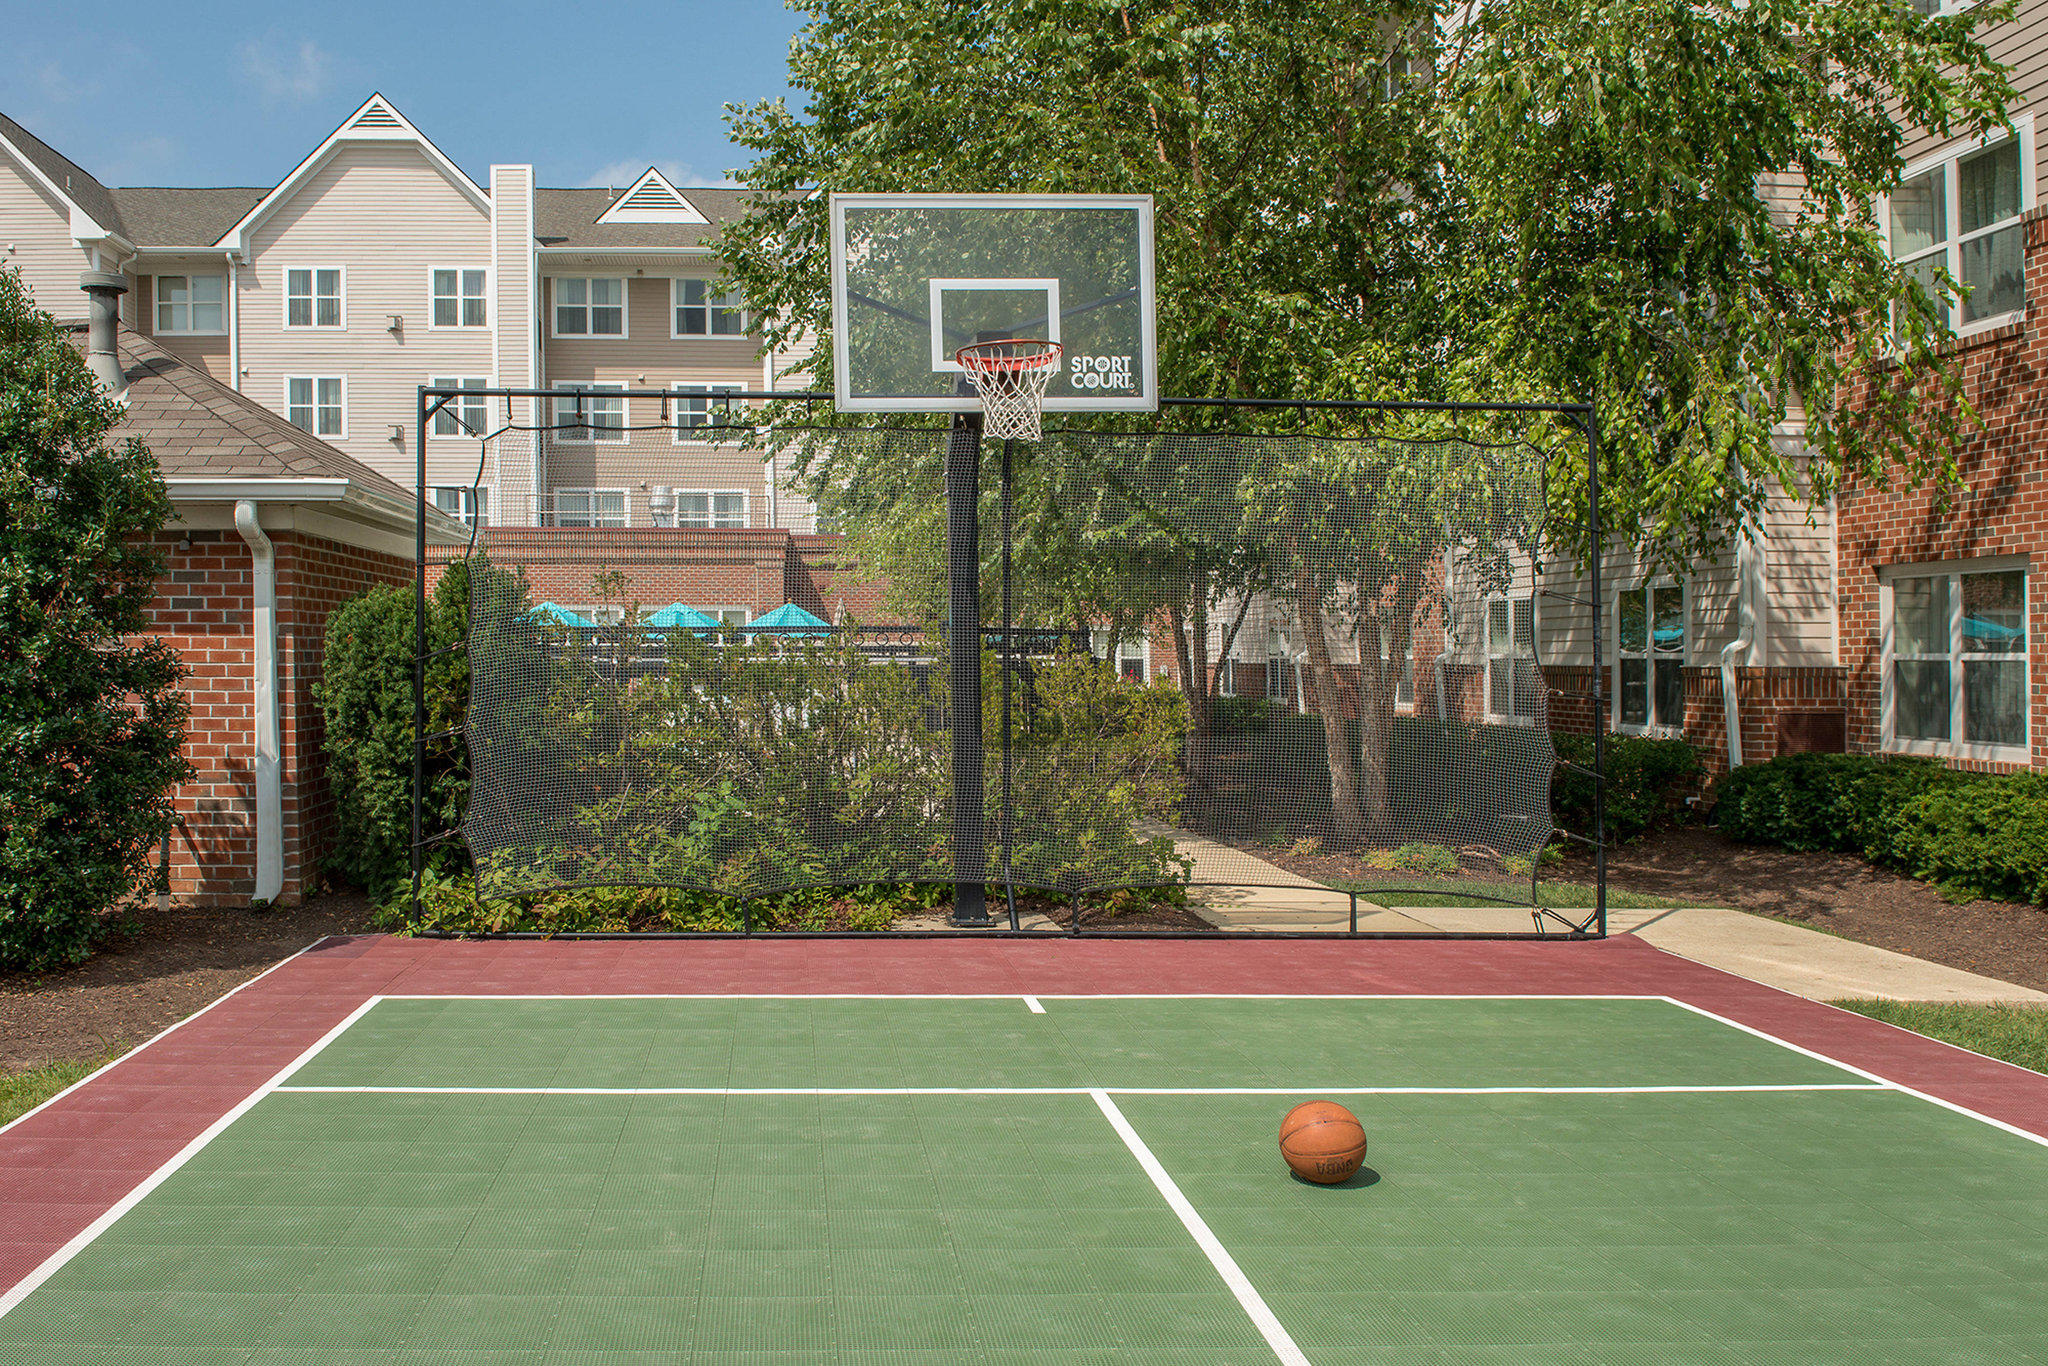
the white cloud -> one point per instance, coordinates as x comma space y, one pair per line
620, 174
283, 75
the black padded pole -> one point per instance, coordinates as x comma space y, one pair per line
963, 645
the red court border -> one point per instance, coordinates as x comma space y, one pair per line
63, 1166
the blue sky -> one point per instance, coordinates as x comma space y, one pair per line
239, 93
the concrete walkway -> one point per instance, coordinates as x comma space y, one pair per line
1820, 967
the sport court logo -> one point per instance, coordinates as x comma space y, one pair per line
1100, 372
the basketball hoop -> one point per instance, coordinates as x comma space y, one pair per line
1010, 376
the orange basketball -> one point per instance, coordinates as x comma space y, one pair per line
1323, 1142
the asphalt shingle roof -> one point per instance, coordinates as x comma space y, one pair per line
568, 218
69, 176
183, 216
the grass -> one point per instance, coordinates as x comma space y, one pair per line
2014, 1034
21, 1092
1475, 892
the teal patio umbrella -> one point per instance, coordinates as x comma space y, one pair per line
676, 614
561, 615
790, 620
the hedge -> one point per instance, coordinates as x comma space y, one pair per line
1971, 834
1647, 783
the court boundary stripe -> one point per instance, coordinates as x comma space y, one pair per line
1886, 1082
1079, 1090
1254, 1304
172, 1028
85, 1237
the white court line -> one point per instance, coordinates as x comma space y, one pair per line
31, 1114
1076, 1090
1884, 1082
84, 1237
1031, 1004
1247, 1294
1040, 996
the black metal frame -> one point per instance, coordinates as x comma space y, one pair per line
970, 917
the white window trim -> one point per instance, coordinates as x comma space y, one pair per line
1142, 642
1509, 718
478, 495
675, 307
157, 301
1888, 743
340, 300
341, 435
676, 427
745, 614
447, 381
711, 495
625, 331
459, 325
586, 436
1951, 158
1662, 730
625, 509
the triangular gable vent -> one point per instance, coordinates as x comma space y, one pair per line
377, 117
651, 199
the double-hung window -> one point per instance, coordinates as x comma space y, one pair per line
1956, 662
1133, 655
459, 299
704, 509
191, 303
1964, 215
698, 405
469, 506
590, 307
703, 311
316, 404
312, 298
590, 507
587, 412
464, 416
1513, 686
1650, 625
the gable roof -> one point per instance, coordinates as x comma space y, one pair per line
570, 219
159, 216
651, 199
63, 175
198, 429
375, 120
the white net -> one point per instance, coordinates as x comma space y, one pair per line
1011, 377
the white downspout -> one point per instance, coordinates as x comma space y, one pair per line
235, 322
1744, 649
269, 777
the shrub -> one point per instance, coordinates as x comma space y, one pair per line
365, 699
1987, 838
91, 723
1647, 781
451, 904
1849, 803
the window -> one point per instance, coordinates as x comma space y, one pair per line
1650, 621
1226, 677
702, 311
1964, 216
705, 510
695, 406
1514, 688
590, 308
463, 416
1133, 655
1956, 663
312, 298
191, 303
459, 299
590, 507
471, 507
316, 404
731, 616
587, 413
1404, 676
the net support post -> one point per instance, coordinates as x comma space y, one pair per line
963, 653
1594, 537
419, 644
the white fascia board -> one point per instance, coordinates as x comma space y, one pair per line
626, 252
82, 223
237, 237
378, 507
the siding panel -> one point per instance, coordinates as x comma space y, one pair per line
35, 233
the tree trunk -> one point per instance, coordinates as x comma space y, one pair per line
1347, 813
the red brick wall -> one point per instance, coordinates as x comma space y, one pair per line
204, 609
1762, 696
2002, 511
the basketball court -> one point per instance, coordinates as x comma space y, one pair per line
405, 1151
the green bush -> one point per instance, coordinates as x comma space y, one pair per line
1848, 803
1987, 838
92, 726
365, 698
1647, 782
451, 904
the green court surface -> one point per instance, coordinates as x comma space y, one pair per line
918, 1181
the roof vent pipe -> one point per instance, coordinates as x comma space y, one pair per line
103, 291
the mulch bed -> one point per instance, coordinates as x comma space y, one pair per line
145, 979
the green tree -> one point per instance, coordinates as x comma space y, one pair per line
92, 726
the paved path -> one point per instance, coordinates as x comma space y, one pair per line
1820, 967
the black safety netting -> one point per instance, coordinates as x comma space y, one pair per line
1206, 661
